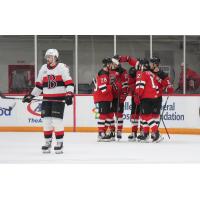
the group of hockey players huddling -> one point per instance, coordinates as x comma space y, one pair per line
145, 82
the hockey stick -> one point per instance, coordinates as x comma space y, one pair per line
19, 98
174, 74
165, 128
162, 117
166, 104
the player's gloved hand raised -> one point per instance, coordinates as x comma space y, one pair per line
123, 59
137, 100
28, 98
68, 98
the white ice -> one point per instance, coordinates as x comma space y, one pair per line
83, 148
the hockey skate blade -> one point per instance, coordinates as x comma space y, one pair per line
159, 140
132, 140
46, 151
104, 140
58, 151
144, 141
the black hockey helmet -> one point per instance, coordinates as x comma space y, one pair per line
155, 60
116, 56
144, 63
107, 60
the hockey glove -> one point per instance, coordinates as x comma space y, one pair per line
28, 98
68, 98
136, 100
123, 59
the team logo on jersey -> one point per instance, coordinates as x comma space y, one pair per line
35, 108
52, 81
103, 80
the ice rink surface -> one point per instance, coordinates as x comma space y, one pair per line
83, 148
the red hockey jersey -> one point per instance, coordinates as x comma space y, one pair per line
162, 81
145, 86
103, 89
119, 77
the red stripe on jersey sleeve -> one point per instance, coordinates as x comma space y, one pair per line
68, 82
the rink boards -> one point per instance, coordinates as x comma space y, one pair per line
181, 115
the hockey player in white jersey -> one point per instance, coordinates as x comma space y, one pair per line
55, 82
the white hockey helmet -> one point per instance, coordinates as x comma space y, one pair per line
51, 52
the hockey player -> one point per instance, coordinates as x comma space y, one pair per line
103, 97
119, 81
162, 81
146, 93
135, 109
55, 82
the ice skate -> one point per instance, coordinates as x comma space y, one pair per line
100, 135
132, 137
103, 137
119, 135
47, 147
106, 138
143, 137
112, 135
156, 137
59, 148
